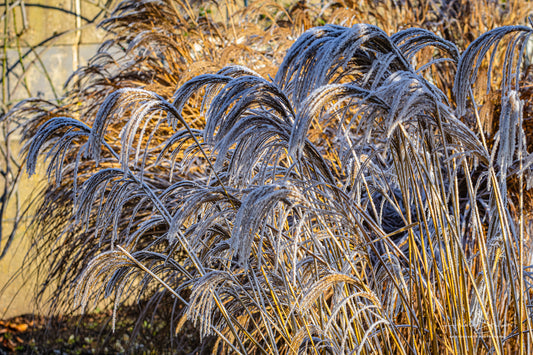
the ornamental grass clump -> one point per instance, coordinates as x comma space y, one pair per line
353, 203
155, 45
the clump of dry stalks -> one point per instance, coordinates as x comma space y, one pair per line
362, 191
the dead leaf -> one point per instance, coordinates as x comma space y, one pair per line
18, 327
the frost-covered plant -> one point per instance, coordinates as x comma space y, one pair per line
347, 205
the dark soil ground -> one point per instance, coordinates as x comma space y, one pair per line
93, 334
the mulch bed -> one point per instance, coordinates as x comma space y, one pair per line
93, 334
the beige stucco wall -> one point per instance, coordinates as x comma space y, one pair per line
52, 41
39, 20
46, 41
